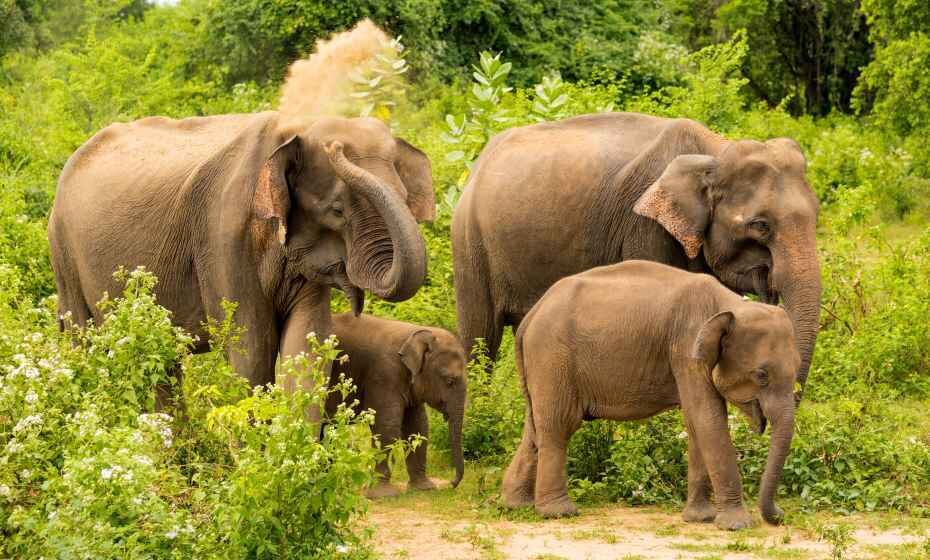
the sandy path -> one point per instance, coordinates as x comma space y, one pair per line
409, 531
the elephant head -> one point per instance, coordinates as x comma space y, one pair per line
752, 358
436, 361
340, 200
751, 214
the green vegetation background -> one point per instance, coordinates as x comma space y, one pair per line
83, 473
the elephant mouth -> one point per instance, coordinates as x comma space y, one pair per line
760, 281
337, 277
753, 411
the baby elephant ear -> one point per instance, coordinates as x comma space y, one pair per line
272, 199
707, 344
413, 352
678, 199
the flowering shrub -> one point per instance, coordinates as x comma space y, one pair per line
89, 469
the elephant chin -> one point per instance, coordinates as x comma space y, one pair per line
753, 411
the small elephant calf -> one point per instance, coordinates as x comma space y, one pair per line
397, 367
631, 340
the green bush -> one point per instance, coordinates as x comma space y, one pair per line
87, 469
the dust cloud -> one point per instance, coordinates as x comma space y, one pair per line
320, 85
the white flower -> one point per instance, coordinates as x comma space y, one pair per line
107, 473
122, 341
683, 435
5, 490
25, 474
31, 397
111, 354
172, 534
143, 460
342, 549
28, 421
13, 447
36, 337
31, 373
137, 500
43, 363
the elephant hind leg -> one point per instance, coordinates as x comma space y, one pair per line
478, 314
519, 486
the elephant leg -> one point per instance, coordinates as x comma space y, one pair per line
416, 423
705, 414
388, 429
519, 486
309, 314
699, 508
478, 316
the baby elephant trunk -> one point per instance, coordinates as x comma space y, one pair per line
456, 415
782, 433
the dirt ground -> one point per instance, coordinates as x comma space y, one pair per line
447, 526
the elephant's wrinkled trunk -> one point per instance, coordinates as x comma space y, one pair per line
780, 444
455, 443
387, 254
797, 278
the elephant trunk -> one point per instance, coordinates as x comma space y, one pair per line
455, 443
780, 444
796, 276
387, 253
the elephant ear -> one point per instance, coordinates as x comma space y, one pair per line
679, 199
707, 344
417, 174
272, 199
413, 352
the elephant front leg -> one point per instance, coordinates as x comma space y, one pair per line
387, 428
417, 423
706, 418
699, 508
309, 314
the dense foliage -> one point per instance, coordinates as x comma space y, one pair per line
88, 470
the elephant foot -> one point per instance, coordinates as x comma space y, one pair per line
519, 498
382, 490
733, 519
424, 483
559, 507
702, 512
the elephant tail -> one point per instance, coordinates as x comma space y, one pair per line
529, 426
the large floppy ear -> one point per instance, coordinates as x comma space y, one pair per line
413, 352
272, 199
707, 344
417, 174
679, 200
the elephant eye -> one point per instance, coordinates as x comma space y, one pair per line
760, 225
450, 381
337, 208
761, 376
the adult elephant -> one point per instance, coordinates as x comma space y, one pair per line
554, 199
243, 208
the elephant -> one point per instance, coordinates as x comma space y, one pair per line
553, 199
630, 340
246, 208
397, 367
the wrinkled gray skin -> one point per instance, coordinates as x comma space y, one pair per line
554, 199
398, 367
241, 207
630, 340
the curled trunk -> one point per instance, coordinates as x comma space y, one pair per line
782, 432
386, 252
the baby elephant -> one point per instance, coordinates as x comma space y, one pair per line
397, 367
631, 340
